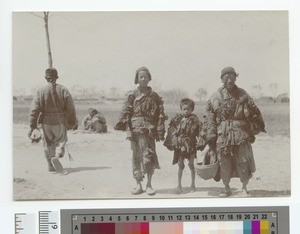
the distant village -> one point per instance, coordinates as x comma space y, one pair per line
169, 96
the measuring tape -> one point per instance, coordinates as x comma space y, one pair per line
235, 220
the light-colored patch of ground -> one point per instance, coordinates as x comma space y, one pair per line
102, 170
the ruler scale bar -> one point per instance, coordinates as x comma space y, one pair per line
244, 220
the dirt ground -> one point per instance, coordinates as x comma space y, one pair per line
102, 170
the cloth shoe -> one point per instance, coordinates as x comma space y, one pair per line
137, 190
150, 191
57, 165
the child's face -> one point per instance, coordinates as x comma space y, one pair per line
186, 110
143, 79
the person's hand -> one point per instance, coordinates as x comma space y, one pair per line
212, 144
200, 143
30, 132
75, 126
129, 135
160, 137
129, 138
252, 139
34, 135
200, 147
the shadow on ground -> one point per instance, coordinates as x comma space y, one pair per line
269, 193
70, 170
215, 191
209, 191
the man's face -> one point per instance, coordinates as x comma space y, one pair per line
143, 79
51, 79
229, 80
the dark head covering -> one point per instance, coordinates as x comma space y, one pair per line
137, 73
228, 70
51, 73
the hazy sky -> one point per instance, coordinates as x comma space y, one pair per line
182, 49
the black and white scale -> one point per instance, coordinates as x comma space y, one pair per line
206, 220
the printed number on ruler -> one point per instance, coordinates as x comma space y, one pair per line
49, 222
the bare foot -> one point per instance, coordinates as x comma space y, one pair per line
226, 192
244, 193
179, 190
193, 189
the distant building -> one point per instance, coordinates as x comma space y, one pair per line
265, 99
23, 98
283, 98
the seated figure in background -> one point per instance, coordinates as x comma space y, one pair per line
94, 122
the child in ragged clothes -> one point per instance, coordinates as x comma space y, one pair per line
182, 137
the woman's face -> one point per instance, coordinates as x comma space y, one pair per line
143, 79
229, 80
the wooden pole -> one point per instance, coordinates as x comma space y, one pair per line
50, 61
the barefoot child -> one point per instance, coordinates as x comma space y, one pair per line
182, 133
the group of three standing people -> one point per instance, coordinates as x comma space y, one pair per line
230, 122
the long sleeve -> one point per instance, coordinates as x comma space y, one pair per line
255, 117
35, 111
161, 121
84, 122
126, 113
71, 112
209, 130
196, 127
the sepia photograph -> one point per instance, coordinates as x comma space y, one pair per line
150, 105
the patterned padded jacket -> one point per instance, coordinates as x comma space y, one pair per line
231, 118
143, 113
182, 133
